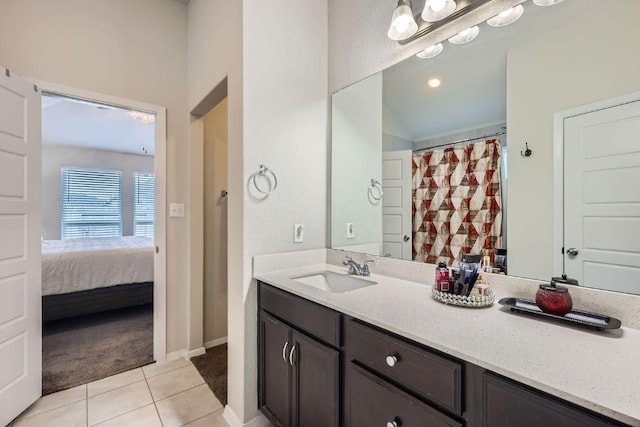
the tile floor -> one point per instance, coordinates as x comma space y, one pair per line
170, 394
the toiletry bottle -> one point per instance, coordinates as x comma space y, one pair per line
442, 278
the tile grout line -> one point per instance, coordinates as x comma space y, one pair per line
154, 401
86, 403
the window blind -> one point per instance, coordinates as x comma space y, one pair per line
91, 203
144, 185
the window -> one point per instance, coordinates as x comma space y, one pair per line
91, 203
144, 203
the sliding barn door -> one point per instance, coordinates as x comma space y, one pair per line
20, 274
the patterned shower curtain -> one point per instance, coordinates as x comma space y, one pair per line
457, 202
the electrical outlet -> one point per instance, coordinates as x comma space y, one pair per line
176, 210
298, 233
351, 230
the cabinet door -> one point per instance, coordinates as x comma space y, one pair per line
316, 379
507, 404
275, 384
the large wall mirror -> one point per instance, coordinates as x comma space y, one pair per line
561, 80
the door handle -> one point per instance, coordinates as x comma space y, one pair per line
291, 355
572, 252
284, 351
406, 238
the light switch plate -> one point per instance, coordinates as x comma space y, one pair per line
176, 210
298, 233
351, 230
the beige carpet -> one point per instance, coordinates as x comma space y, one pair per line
87, 348
213, 368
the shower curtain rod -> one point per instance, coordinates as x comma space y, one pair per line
504, 132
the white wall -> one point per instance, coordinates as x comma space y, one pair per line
586, 59
215, 223
56, 156
356, 158
133, 49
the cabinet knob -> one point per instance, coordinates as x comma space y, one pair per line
391, 361
393, 423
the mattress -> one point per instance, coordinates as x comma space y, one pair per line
82, 264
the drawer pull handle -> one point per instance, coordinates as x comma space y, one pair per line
391, 361
284, 352
291, 355
394, 423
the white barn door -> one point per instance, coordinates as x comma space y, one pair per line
602, 198
20, 223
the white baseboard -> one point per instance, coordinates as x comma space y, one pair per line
231, 418
174, 355
197, 352
216, 342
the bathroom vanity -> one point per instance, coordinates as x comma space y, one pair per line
389, 354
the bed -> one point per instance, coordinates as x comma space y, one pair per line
82, 276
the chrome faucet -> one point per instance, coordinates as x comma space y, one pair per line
357, 269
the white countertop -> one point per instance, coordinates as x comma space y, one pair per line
598, 370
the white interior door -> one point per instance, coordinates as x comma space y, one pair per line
20, 273
396, 204
602, 198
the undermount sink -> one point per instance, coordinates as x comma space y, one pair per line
333, 282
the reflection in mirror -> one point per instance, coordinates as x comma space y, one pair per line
506, 86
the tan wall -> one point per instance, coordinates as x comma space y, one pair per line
123, 48
215, 223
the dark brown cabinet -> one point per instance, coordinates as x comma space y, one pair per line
507, 403
311, 374
299, 376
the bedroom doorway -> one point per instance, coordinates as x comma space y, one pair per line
103, 175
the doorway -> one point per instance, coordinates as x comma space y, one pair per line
107, 195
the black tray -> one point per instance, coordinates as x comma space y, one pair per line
594, 320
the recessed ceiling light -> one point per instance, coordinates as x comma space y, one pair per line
431, 51
465, 36
434, 82
507, 17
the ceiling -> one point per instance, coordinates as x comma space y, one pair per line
473, 92
75, 122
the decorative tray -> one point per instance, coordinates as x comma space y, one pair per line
453, 299
579, 317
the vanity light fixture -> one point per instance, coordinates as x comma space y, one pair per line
507, 17
403, 24
431, 51
435, 10
465, 36
546, 2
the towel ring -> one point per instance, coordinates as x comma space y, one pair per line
269, 175
375, 190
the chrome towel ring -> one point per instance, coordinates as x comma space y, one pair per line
375, 190
269, 176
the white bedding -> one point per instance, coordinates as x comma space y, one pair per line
81, 264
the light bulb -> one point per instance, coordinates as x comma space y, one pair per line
507, 17
435, 82
506, 13
438, 5
435, 10
403, 25
431, 51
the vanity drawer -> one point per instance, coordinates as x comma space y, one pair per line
423, 372
315, 319
372, 401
